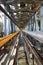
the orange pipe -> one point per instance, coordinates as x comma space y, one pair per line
6, 39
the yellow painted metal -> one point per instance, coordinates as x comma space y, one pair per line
4, 40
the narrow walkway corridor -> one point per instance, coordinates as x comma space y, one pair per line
21, 56
21, 32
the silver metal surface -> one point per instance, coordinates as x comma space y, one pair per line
36, 35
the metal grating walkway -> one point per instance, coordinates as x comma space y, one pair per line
21, 56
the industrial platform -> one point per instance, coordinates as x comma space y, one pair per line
21, 32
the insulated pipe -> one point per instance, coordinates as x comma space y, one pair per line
7, 38
36, 35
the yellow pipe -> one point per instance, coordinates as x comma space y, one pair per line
6, 39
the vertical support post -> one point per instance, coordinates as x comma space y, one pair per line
35, 22
30, 25
5, 24
8, 26
12, 26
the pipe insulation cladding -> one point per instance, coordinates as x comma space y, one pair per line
36, 35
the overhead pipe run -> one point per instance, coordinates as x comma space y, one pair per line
13, 20
36, 35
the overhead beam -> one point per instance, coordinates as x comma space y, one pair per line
13, 11
28, 1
